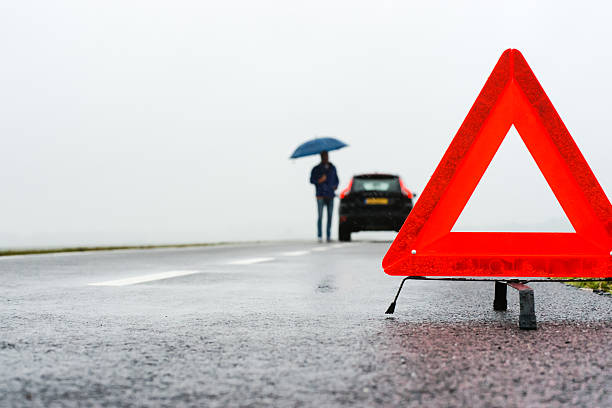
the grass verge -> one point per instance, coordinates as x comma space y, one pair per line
101, 248
600, 286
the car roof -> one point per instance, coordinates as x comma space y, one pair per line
376, 175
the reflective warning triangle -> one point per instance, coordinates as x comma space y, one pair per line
425, 246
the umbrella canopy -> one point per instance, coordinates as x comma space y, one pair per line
316, 146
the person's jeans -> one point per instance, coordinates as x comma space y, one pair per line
329, 203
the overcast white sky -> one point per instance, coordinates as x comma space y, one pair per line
128, 122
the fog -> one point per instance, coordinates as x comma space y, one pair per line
142, 122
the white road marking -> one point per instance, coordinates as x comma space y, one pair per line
144, 278
339, 245
295, 253
173, 274
250, 261
320, 249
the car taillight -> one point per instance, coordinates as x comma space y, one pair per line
344, 192
405, 191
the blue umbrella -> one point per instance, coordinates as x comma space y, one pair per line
316, 146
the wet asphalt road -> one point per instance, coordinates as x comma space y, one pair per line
286, 324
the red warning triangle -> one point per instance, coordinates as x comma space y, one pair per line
425, 246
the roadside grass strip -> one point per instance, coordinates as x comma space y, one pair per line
13, 253
596, 286
145, 278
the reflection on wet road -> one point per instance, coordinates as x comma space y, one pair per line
286, 324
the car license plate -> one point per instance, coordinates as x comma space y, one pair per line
377, 201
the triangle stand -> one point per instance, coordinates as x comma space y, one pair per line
527, 317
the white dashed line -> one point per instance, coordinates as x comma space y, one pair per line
250, 261
320, 249
295, 253
174, 274
339, 245
144, 278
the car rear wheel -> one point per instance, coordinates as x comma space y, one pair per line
344, 234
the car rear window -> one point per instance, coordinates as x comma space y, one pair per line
390, 184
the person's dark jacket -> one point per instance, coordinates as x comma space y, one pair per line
326, 188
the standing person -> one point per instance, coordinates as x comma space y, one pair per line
325, 179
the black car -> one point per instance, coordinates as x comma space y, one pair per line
373, 202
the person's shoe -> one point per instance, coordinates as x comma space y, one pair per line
329, 240
320, 240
